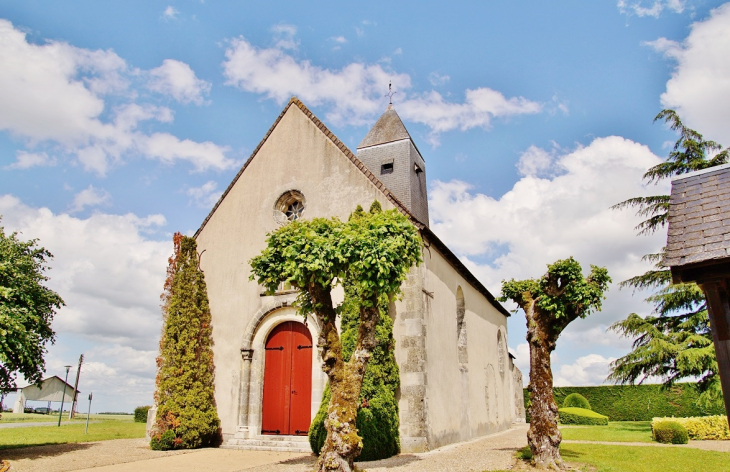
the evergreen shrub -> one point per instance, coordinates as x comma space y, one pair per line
140, 414
702, 427
576, 400
572, 415
185, 394
163, 442
669, 432
377, 418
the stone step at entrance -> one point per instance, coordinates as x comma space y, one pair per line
271, 443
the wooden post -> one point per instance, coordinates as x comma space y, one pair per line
718, 307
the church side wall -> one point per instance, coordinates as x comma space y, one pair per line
468, 393
296, 156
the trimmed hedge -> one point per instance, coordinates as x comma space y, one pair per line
702, 427
582, 416
140, 414
669, 432
639, 402
576, 400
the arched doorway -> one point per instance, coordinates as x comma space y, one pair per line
287, 380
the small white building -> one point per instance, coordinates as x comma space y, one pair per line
48, 390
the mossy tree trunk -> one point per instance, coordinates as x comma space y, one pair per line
543, 436
343, 444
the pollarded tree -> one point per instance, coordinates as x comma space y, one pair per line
550, 304
27, 308
372, 251
676, 344
186, 410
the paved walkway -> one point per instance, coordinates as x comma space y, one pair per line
42, 423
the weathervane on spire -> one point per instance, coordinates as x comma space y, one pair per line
390, 92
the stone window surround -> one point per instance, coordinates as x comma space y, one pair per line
251, 382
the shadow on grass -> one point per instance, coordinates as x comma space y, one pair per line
37, 451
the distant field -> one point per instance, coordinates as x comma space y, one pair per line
53, 417
116, 428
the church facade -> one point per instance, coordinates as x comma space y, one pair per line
458, 380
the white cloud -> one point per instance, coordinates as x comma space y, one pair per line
339, 39
653, 8
53, 95
178, 80
543, 219
26, 160
354, 94
206, 195
587, 370
437, 79
285, 36
666, 47
170, 13
699, 89
90, 197
108, 272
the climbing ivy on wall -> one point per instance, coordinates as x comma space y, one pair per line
377, 417
639, 402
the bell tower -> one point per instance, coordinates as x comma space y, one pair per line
389, 152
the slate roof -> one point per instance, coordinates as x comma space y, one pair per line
429, 237
387, 129
699, 218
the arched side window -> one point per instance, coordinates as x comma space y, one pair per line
461, 327
501, 352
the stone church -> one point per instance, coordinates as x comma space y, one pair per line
458, 380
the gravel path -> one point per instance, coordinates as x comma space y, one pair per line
63, 457
494, 452
41, 423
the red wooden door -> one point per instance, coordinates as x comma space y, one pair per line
287, 380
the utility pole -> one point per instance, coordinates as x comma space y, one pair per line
88, 414
76, 388
60, 410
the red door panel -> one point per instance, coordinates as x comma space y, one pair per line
287, 380
301, 380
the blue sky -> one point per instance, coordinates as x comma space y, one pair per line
121, 122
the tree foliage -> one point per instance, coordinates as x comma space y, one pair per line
374, 252
27, 308
550, 304
186, 409
677, 343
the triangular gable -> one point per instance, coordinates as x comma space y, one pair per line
425, 231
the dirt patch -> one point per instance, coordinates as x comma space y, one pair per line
75, 456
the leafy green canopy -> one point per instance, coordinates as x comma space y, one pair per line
185, 390
562, 293
377, 416
676, 344
375, 252
27, 308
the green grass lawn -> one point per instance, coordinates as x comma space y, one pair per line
53, 417
616, 431
645, 459
72, 433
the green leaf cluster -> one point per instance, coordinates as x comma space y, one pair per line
677, 343
582, 416
27, 308
374, 251
377, 417
185, 389
140, 414
562, 292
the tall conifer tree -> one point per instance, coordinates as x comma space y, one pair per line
185, 372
